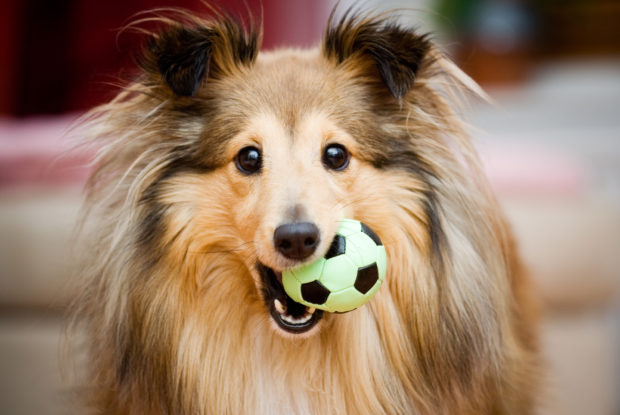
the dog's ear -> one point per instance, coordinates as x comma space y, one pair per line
183, 56
397, 52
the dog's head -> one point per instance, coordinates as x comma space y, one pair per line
239, 164
262, 154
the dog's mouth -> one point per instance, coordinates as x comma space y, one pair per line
288, 314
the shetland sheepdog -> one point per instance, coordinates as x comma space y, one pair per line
213, 147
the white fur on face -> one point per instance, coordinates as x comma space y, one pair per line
293, 184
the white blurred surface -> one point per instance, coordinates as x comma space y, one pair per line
30, 376
570, 108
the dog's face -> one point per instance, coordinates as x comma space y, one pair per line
294, 173
292, 185
286, 144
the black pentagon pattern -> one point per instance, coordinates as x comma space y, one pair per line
372, 234
366, 278
314, 292
338, 247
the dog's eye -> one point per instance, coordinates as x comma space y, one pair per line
249, 160
335, 157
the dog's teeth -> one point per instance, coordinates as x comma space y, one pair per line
296, 320
279, 306
281, 309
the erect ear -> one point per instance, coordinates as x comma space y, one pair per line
184, 56
397, 52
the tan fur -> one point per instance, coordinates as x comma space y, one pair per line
192, 335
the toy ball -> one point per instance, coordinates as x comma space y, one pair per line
348, 276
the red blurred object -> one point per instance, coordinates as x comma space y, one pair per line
67, 55
41, 151
8, 52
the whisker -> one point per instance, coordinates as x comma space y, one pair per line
339, 203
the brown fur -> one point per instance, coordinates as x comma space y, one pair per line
174, 310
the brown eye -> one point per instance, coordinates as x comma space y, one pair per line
249, 160
335, 157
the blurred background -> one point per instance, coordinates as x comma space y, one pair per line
550, 145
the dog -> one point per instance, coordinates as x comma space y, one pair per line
213, 148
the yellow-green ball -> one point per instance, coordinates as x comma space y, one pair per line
348, 276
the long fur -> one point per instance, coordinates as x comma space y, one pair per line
172, 307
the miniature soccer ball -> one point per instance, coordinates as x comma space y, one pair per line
348, 276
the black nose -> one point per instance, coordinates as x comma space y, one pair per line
296, 240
